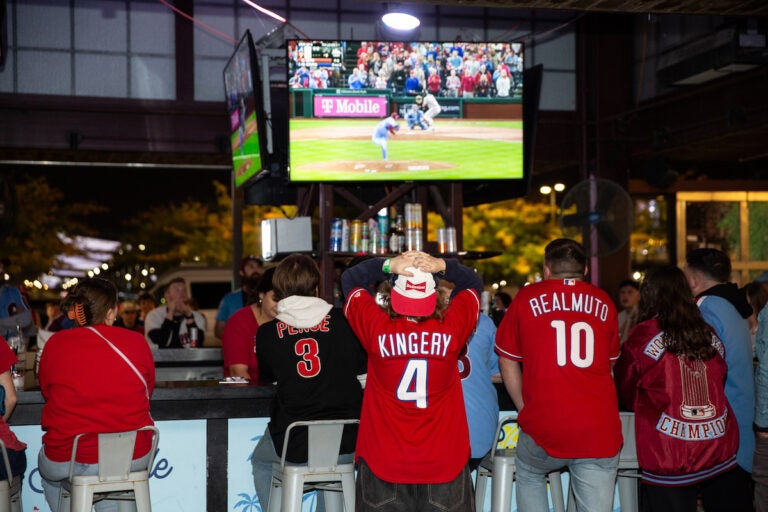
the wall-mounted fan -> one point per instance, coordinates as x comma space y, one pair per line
599, 214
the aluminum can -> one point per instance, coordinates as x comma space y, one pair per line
356, 236
382, 219
344, 235
337, 231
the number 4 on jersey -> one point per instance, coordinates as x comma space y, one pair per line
413, 383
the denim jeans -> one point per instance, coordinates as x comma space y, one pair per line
592, 480
760, 474
263, 456
375, 495
52, 473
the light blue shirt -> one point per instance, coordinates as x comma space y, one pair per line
733, 330
230, 303
761, 374
481, 401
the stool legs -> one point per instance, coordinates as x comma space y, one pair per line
501, 487
627, 492
556, 491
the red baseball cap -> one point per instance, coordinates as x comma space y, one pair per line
414, 295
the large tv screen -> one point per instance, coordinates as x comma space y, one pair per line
372, 111
242, 86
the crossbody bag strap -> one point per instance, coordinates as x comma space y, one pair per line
125, 358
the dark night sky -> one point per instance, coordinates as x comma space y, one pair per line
127, 191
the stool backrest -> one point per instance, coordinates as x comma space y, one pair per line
324, 442
503, 421
116, 453
6, 462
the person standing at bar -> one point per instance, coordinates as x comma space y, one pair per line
725, 308
671, 373
556, 345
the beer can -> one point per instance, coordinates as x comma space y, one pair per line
382, 219
344, 235
413, 240
356, 236
365, 238
375, 242
337, 232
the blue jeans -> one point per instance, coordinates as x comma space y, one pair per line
52, 473
592, 480
373, 494
262, 458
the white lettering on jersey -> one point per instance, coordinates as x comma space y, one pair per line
692, 431
655, 348
414, 344
562, 301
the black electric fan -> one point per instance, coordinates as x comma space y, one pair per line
599, 214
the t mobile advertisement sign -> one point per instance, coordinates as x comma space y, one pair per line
350, 106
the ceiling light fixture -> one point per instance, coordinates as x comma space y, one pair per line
398, 20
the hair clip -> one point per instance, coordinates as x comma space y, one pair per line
80, 314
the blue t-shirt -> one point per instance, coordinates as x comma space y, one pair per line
230, 303
480, 398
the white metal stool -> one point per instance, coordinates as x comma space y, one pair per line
500, 466
10, 489
322, 470
115, 479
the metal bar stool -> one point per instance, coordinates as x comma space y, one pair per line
115, 480
10, 489
500, 466
322, 470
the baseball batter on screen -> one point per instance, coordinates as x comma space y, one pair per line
429, 102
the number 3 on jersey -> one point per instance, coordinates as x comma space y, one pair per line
413, 383
581, 339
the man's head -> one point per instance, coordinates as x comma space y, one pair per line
251, 265
176, 290
629, 294
416, 295
419, 100
705, 268
297, 274
564, 259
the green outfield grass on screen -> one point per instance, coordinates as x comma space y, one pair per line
456, 150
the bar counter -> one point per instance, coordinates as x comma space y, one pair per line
207, 433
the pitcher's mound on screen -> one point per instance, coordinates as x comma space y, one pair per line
378, 166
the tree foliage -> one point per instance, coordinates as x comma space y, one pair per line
44, 227
517, 228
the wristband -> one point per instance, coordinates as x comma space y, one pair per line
385, 267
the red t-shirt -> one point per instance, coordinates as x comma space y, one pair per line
238, 342
565, 334
88, 387
413, 426
7, 360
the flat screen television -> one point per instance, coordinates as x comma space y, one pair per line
343, 95
242, 86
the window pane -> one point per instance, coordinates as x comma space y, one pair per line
100, 26
101, 75
43, 26
649, 243
153, 78
713, 224
42, 72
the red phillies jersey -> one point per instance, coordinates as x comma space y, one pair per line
413, 428
565, 334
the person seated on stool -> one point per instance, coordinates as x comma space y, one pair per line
17, 455
89, 387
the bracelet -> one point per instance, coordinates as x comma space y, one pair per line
385, 267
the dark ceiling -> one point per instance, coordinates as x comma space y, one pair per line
714, 130
705, 7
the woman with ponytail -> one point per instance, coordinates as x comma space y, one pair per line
94, 378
